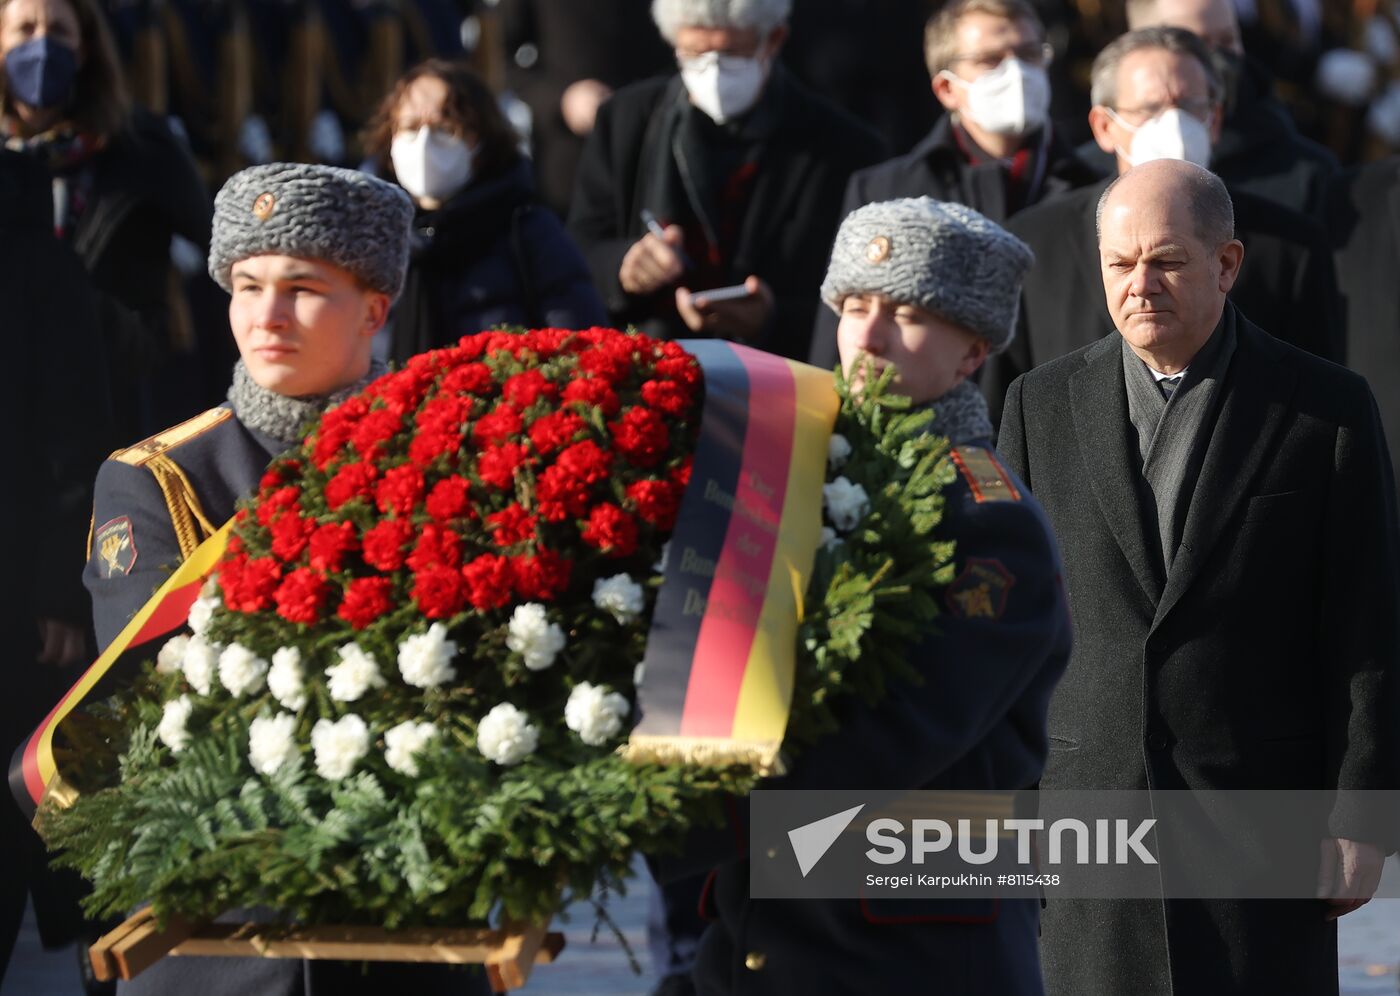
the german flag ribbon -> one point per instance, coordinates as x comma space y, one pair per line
34, 773
721, 652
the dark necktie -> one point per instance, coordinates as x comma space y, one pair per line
1169, 384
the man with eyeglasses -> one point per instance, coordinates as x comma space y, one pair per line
995, 149
1156, 95
726, 174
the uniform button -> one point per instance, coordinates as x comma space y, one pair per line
755, 960
1157, 741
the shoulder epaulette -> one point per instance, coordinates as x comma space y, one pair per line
987, 479
153, 446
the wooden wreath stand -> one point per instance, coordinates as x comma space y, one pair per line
508, 954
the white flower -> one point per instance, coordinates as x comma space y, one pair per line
506, 735
203, 609
425, 660
846, 503
201, 658
286, 678
403, 742
638, 673
339, 745
172, 730
534, 637
1347, 76
356, 674
660, 566
838, 451
270, 742
829, 538
595, 713
619, 595
172, 654
1381, 41
241, 670
1383, 117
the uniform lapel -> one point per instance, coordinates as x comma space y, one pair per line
1256, 394
1099, 403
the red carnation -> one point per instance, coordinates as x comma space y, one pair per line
400, 490
330, 440
352, 481
470, 378
681, 475
682, 369
512, 525
448, 499
330, 543
444, 414
587, 461
437, 546
290, 534
641, 435
550, 432
254, 586
541, 577
610, 365
611, 530
375, 429
666, 395
488, 580
365, 601
501, 424
594, 392
276, 503
427, 446
439, 592
384, 544
301, 596
272, 477
496, 465
657, 502
524, 389
561, 495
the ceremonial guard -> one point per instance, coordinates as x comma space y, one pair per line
930, 288
313, 257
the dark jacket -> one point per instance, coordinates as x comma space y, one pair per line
145, 189
1286, 285
1363, 217
962, 728
789, 217
491, 256
938, 168
1264, 659
550, 45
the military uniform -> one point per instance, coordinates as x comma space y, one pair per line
976, 722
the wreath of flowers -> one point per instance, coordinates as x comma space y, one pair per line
405, 684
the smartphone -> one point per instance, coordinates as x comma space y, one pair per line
723, 293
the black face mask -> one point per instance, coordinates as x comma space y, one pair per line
41, 72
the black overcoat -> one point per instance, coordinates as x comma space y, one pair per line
788, 225
1265, 659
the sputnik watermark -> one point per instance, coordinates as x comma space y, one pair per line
1110, 841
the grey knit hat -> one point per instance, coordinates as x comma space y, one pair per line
944, 257
342, 216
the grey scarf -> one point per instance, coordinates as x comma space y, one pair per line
961, 415
1172, 435
281, 417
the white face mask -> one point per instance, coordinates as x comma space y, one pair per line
1012, 99
723, 86
1173, 134
430, 163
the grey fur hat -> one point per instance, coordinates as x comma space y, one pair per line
944, 257
342, 216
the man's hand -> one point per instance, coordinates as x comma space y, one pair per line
741, 319
1348, 875
652, 263
580, 102
60, 644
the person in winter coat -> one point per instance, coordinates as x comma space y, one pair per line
484, 253
123, 185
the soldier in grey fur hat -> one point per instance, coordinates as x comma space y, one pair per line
313, 256
931, 288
